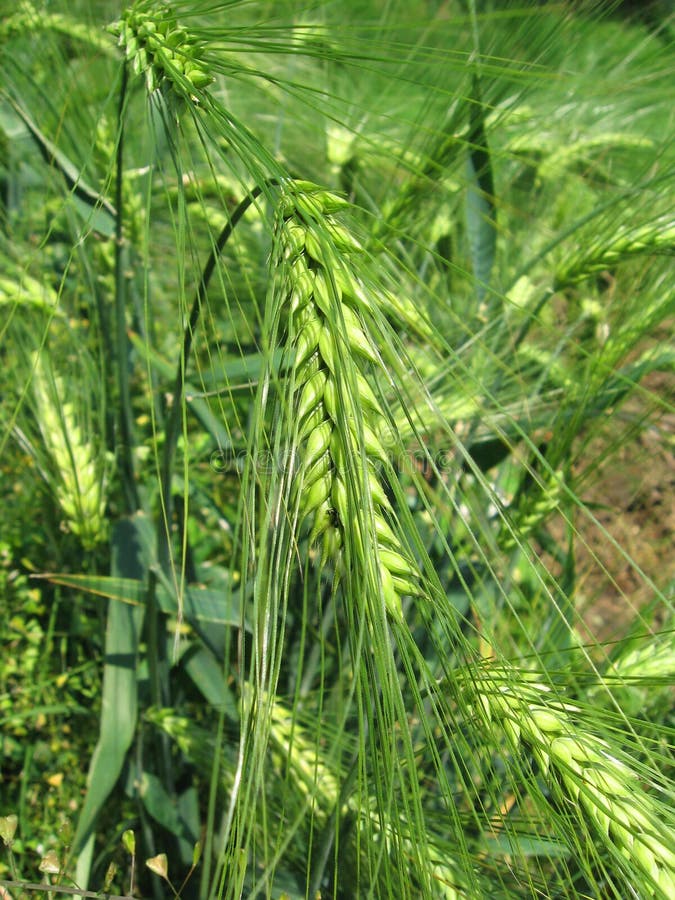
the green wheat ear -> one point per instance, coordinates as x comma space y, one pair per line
161, 49
602, 790
598, 253
315, 784
18, 289
78, 477
653, 659
340, 427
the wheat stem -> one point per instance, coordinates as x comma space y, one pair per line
174, 417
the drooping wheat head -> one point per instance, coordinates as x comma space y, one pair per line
338, 418
598, 787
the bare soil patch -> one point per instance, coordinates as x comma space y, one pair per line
632, 497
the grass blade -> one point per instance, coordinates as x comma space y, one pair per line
119, 705
481, 213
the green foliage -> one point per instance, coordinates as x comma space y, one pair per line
316, 327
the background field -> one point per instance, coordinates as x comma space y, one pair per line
336, 443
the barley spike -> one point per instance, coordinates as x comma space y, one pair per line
603, 790
335, 409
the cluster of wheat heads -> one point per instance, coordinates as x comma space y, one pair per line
339, 503
339, 469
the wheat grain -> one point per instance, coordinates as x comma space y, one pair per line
336, 413
600, 788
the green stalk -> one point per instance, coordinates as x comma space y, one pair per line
59, 889
210, 830
122, 341
327, 837
158, 671
173, 419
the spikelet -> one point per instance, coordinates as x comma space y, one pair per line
338, 417
78, 478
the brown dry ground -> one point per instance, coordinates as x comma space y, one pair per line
632, 497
